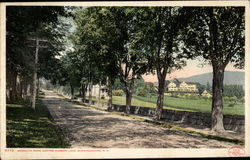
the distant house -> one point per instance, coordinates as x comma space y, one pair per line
205, 93
182, 87
95, 91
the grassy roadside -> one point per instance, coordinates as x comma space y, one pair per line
27, 128
180, 104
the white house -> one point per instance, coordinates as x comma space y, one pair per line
182, 86
95, 92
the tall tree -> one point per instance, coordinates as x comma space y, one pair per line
160, 38
22, 24
107, 34
131, 61
86, 40
217, 34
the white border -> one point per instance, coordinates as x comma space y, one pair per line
124, 153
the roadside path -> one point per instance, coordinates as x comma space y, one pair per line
90, 128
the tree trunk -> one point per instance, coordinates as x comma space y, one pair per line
109, 95
25, 88
72, 91
217, 100
128, 100
80, 91
90, 92
160, 99
38, 88
129, 91
8, 84
83, 92
13, 92
21, 87
99, 94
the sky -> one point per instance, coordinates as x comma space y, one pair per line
193, 67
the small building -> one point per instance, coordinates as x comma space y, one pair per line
205, 93
96, 89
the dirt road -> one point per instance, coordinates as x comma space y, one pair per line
90, 128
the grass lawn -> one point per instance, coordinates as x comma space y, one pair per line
184, 104
198, 105
27, 128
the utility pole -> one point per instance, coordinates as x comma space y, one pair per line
34, 80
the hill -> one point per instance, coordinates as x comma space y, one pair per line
230, 77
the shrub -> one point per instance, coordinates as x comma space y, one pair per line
117, 92
231, 105
141, 92
242, 100
226, 98
152, 94
175, 95
234, 99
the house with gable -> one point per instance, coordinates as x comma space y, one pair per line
183, 87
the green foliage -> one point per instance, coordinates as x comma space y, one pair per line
226, 99
242, 100
201, 88
117, 92
29, 129
216, 34
142, 92
118, 85
27, 22
209, 87
226, 24
233, 90
139, 83
233, 99
92, 40
145, 89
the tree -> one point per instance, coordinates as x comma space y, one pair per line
159, 37
94, 41
22, 24
201, 88
209, 87
233, 90
108, 33
217, 34
146, 89
131, 62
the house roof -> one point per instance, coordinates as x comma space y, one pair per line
177, 82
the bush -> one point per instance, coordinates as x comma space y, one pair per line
141, 92
234, 99
117, 92
231, 105
242, 100
152, 95
174, 95
226, 99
